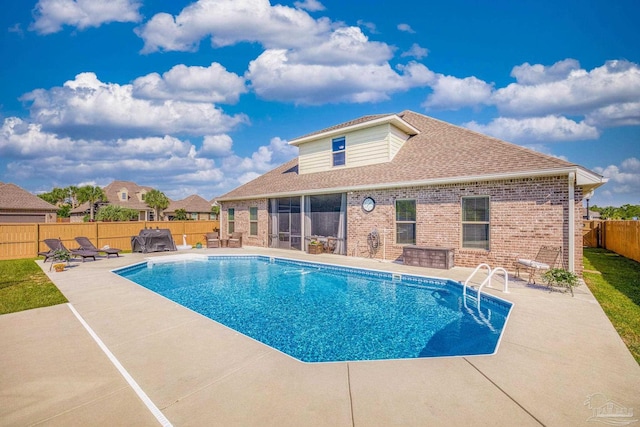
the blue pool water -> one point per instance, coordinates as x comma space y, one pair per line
321, 313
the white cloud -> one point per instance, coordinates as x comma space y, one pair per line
580, 92
623, 114
310, 5
527, 74
232, 21
86, 107
452, 93
173, 165
51, 15
406, 28
347, 45
416, 51
193, 84
274, 77
370, 26
624, 180
217, 145
536, 129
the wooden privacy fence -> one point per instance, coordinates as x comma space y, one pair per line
26, 240
621, 237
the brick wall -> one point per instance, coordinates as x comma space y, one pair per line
524, 215
241, 215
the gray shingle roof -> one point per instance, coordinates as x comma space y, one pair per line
193, 203
440, 152
14, 197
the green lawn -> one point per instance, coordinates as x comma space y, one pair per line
615, 282
23, 286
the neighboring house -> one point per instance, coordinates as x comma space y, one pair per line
121, 193
18, 205
195, 206
417, 181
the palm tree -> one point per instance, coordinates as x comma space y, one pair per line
157, 200
91, 194
73, 195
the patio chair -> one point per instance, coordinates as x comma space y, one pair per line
86, 245
212, 239
56, 245
235, 241
546, 259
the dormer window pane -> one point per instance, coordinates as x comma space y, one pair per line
338, 146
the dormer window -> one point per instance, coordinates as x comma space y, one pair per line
338, 145
123, 195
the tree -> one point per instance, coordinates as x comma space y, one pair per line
91, 194
72, 192
181, 215
215, 210
158, 201
116, 213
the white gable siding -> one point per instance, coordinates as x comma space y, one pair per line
377, 144
397, 139
314, 156
368, 146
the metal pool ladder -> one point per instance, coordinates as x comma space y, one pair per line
486, 281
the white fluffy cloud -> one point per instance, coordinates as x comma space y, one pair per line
416, 51
193, 84
175, 166
310, 5
536, 129
624, 180
347, 45
231, 21
527, 74
86, 107
51, 15
452, 93
570, 90
273, 77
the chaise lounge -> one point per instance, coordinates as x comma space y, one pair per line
87, 245
56, 246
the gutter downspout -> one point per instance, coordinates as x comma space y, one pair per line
572, 223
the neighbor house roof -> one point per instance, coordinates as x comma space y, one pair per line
193, 203
111, 191
440, 153
13, 197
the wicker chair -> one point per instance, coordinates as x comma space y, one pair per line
212, 239
235, 241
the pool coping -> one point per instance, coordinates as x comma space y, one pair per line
558, 358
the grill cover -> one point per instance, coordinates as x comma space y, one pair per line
153, 241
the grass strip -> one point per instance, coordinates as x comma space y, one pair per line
615, 282
23, 286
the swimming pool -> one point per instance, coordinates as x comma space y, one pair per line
323, 313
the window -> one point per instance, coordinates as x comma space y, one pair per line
338, 151
406, 222
231, 220
253, 221
475, 222
194, 216
123, 196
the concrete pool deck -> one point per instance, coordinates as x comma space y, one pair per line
555, 353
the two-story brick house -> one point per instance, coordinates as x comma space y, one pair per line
417, 181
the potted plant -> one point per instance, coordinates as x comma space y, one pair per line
315, 247
560, 278
59, 267
198, 245
61, 255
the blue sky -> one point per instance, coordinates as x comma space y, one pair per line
200, 97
